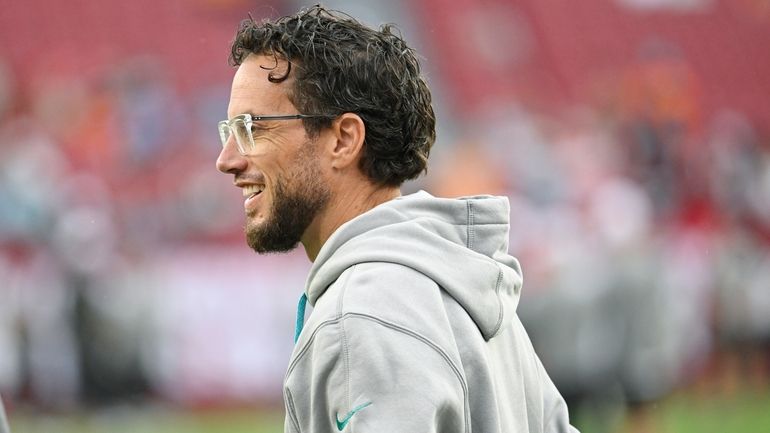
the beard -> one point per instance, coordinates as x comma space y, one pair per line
297, 199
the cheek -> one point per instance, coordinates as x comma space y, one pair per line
265, 149
268, 142
279, 179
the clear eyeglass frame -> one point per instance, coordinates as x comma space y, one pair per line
240, 127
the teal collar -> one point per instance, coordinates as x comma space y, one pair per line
300, 317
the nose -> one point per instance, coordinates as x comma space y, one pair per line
230, 160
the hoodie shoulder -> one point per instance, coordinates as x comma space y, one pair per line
459, 244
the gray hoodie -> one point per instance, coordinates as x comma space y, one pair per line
414, 328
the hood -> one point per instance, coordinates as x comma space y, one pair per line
461, 244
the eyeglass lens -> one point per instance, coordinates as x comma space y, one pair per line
238, 128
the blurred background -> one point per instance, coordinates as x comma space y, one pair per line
631, 136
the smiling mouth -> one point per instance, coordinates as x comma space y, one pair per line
252, 191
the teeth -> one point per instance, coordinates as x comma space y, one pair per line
251, 190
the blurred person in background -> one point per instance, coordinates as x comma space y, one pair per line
3, 424
414, 325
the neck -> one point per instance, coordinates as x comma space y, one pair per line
343, 207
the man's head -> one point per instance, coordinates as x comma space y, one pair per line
363, 90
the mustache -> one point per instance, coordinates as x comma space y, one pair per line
258, 178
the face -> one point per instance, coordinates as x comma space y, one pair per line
281, 178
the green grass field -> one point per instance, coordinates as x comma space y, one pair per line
149, 419
746, 413
682, 413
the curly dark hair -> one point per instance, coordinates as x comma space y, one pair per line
343, 66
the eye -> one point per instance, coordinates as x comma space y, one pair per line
257, 128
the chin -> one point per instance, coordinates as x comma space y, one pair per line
253, 227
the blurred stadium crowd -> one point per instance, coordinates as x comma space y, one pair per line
632, 141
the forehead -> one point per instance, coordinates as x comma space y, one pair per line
253, 93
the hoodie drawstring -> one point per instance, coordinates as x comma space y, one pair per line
300, 316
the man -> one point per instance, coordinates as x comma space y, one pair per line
414, 326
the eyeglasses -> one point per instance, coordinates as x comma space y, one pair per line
243, 128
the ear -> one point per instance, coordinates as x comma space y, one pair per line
347, 148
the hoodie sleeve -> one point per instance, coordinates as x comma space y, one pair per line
362, 374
